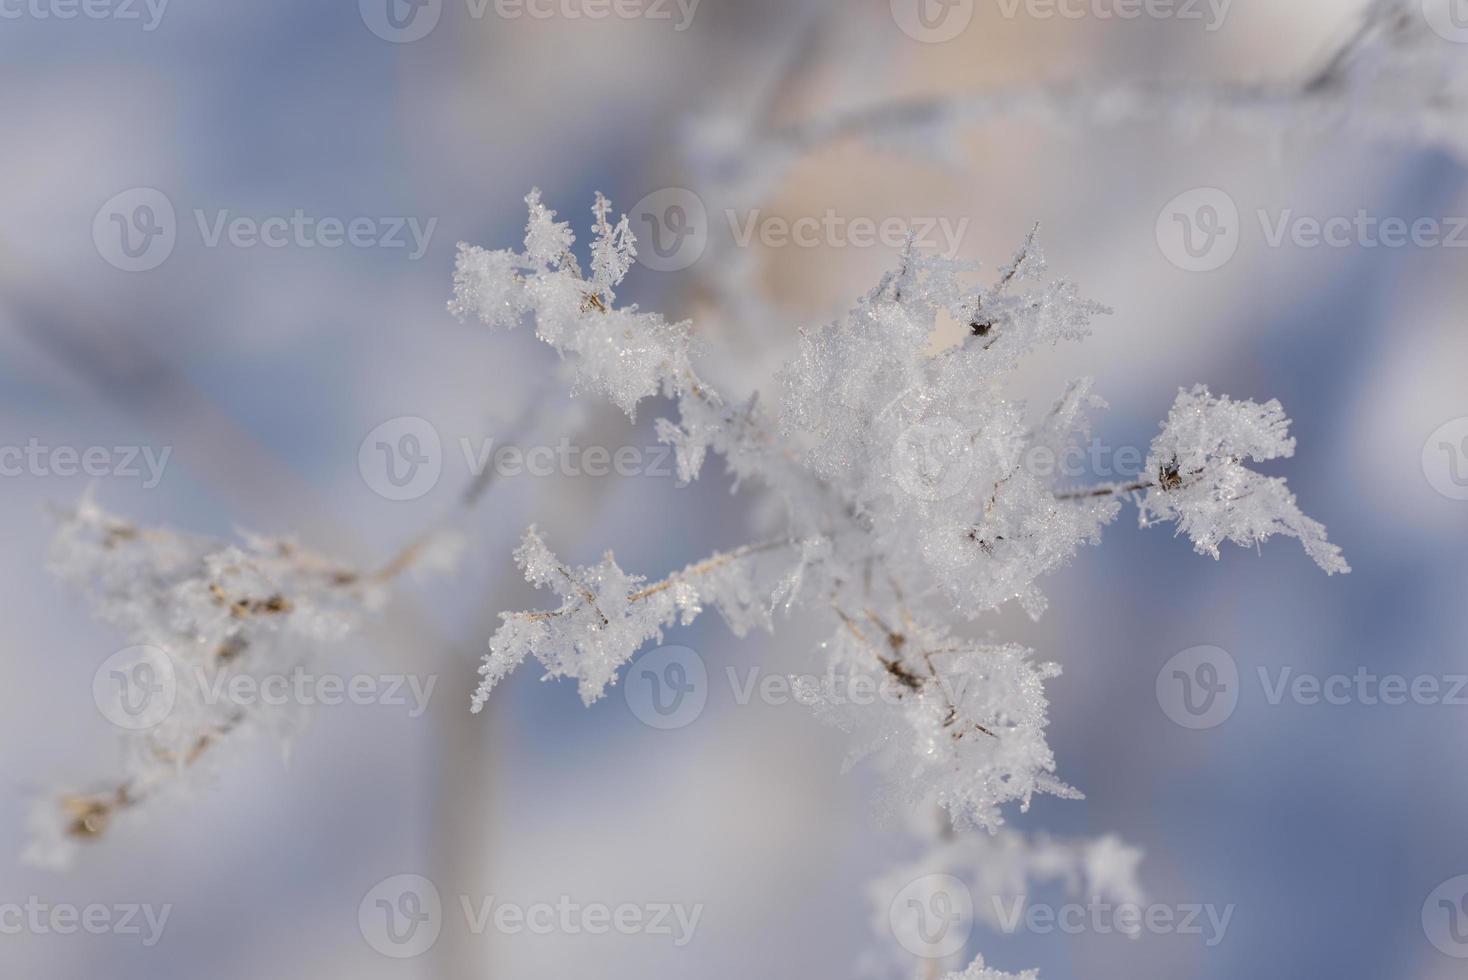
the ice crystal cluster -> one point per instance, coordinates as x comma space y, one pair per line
1211, 494
910, 505
197, 614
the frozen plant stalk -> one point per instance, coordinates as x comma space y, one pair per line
199, 615
908, 510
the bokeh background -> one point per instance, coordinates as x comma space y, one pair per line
264, 369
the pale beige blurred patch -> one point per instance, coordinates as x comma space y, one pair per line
1004, 175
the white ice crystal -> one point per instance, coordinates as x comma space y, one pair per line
623, 354
1200, 480
613, 252
926, 448
909, 502
606, 615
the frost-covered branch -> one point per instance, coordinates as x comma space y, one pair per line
1203, 485
908, 510
607, 615
1199, 480
200, 615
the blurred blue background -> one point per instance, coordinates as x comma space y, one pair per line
263, 369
